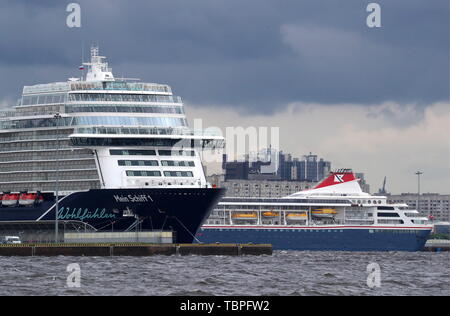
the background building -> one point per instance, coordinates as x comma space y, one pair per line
259, 188
434, 204
272, 165
362, 182
307, 168
270, 173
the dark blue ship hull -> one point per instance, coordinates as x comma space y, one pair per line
326, 239
179, 210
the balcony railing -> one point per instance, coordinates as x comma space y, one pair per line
145, 131
119, 85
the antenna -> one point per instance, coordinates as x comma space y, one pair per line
383, 188
98, 68
82, 60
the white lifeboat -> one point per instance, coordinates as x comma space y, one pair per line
28, 199
324, 213
296, 217
10, 200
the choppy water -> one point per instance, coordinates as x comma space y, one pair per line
284, 273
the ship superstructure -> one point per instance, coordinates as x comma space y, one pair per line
99, 133
109, 134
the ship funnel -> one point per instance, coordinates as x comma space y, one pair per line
336, 177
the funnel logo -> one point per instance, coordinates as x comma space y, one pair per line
338, 178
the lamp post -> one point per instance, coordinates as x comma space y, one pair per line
418, 173
57, 117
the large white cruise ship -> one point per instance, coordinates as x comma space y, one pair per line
335, 215
119, 152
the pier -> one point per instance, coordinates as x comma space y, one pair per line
437, 245
134, 249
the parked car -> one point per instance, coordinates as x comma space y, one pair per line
9, 240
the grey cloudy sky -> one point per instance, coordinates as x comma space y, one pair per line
252, 57
255, 55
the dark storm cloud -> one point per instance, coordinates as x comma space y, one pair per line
256, 55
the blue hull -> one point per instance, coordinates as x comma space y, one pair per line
181, 211
324, 239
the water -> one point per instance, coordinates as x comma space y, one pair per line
284, 273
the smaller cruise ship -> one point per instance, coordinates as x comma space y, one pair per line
336, 215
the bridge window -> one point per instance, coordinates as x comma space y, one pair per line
178, 174
143, 173
176, 153
138, 163
388, 215
385, 208
175, 163
124, 152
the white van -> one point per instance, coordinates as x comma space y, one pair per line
10, 240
